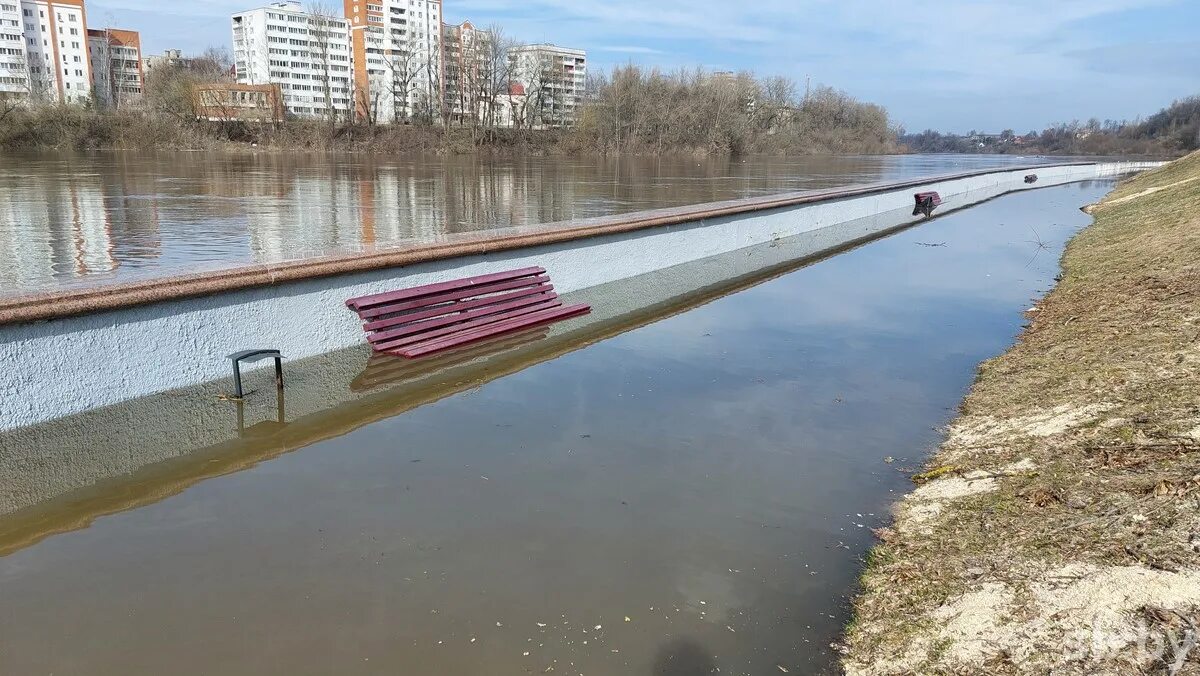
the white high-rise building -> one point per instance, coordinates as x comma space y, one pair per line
56, 49
397, 46
553, 79
307, 55
14, 67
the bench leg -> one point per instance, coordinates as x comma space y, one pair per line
237, 380
278, 373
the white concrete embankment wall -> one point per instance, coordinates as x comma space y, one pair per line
71, 364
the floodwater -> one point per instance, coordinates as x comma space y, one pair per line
119, 216
691, 494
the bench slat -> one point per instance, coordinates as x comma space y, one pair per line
363, 302
498, 328
455, 307
401, 306
400, 341
459, 318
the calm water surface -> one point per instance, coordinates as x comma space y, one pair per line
692, 495
103, 217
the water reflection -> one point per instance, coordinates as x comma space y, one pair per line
71, 219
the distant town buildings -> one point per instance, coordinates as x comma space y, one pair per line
171, 58
116, 60
233, 101
14, 75
307, 55
379, 61
553, 78
47, 53
56, 61
397, 53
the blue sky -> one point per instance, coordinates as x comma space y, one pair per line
951, 65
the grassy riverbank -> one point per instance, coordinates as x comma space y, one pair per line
1058, 527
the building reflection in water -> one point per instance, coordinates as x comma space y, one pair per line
106, 217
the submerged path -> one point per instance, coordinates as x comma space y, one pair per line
1058, 528
678, 491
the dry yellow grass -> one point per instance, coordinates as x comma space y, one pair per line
1067, 537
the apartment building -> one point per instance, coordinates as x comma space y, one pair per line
228, 101
396, 47
56, 55
553, 79
308, 55
116, 57
468, 71
168, 59
14, 76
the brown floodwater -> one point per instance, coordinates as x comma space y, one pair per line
69, 219
670, 491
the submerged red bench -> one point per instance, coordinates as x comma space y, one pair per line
926, 202
435, 317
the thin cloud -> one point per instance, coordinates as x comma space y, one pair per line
629, 49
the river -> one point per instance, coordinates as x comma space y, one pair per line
79, 219
690, 493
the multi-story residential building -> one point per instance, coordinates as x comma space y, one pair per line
307, 54
397, 57
228, 101
553, 78
168, 59
14, 69
470, 73
116, 57
56, 49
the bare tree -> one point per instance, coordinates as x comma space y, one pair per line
431, 104
321, 19
103, 88
170, 89
9, 103
402, 71
366, 103
498, 72
18, 69
545, 93
215, 64
38, 82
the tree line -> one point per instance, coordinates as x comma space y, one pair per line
1174, 130
639, 110
630, 110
